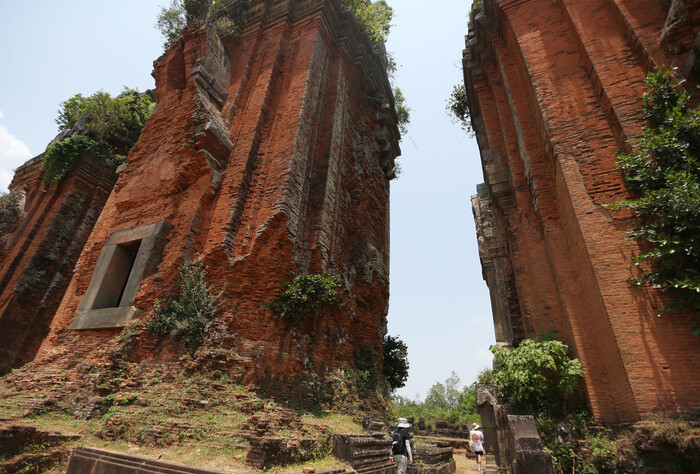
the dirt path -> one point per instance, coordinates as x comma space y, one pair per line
464, 464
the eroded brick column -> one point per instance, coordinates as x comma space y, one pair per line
270, 152
554, 91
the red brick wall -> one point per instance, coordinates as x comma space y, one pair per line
555, 87
39, 260
297, 183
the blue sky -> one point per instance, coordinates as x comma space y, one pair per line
439, 303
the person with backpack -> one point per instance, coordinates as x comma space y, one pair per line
476, 439
401, 447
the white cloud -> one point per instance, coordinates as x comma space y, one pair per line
13, 153
5, 179
483, 355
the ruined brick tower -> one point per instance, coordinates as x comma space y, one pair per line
554, 89
270, 152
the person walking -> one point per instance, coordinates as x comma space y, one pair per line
401, 447
476, 439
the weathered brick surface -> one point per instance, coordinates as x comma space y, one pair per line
267, 154
40, 255
555, 90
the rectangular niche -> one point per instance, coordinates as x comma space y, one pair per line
127, 258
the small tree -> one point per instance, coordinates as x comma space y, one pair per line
537, 372
395, 365
373, 17
664, 168
189, 311
458, 108
173, 19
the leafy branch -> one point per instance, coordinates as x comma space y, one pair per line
664, 169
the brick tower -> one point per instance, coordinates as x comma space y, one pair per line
37, 256
270, 151
554, 89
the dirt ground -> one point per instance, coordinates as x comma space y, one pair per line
464, 464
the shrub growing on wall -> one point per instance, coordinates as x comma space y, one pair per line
664, 169
107, 127
61, 157
187, 314
307, 294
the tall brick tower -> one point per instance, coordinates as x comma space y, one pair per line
554, 89
270, 151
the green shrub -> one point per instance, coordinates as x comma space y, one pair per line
458, 108
307, 294
403, 112
173, 19
366, 366
188, 313
113, 121
374, 17
113, 126
10, 212
62, 157
540, 373
395, 362
664, 168
604, 452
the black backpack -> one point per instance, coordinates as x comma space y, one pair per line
398, 443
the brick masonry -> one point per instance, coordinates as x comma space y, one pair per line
554, 89
268, 153
39, 255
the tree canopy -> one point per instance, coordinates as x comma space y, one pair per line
395, 365
444, 402
105, 127
540, 373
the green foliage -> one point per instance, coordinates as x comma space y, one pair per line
403, 112
373, 17
395, 362
475, 4
599, 455
604, 452
458, 108
444, 402
172, 19
485, 377
109, 127
664, 168
443, 397
10, 211
108, 119
366, 366
537, 372
189, 311
307, 294
61, 157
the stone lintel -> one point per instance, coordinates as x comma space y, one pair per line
106, 318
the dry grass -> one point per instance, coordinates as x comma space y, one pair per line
186, 419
